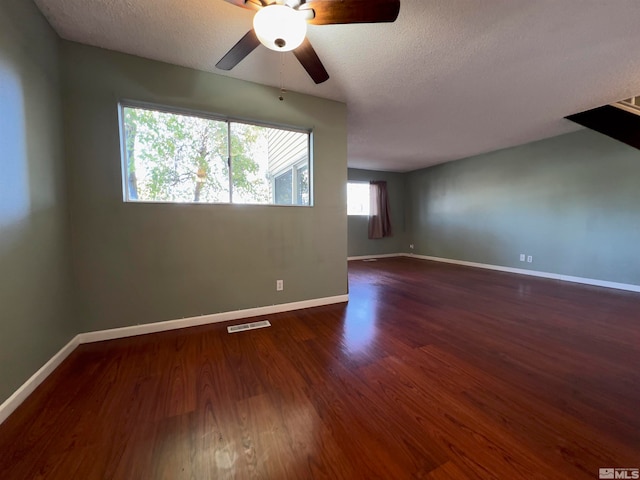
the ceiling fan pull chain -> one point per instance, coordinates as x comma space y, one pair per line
282, 90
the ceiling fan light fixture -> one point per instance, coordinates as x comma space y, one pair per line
280, 28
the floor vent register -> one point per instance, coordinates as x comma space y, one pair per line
248, 326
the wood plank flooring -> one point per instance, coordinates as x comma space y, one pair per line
431, 371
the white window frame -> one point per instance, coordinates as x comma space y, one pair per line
122, 104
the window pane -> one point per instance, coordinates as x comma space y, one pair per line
358, 199
265, 162
287, 150
302, 185
175, 158
250, 163
284, 188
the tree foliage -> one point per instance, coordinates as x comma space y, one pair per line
183, 158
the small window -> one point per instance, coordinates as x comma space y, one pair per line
358, 198
184, 158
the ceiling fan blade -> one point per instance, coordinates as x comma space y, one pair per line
308, 57
330, 12
244, 47
250, 4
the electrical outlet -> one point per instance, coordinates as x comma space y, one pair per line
522, 257
279, 285
411, 246
529, 259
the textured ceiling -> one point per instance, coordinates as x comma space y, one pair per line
448, 79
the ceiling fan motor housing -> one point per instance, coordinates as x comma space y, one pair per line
279, 27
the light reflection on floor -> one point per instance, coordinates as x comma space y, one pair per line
360, 326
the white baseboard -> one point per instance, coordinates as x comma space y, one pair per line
143, 329
534, 273
27, 388
20, 395
382, 255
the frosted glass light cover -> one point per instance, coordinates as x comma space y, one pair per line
280, 28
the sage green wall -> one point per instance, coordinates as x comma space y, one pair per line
139, 263
572, 202
358, 226
35, 315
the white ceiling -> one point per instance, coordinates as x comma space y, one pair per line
448, 79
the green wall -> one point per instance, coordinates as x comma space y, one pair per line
358, 226
572, 202
139, 263
35, 313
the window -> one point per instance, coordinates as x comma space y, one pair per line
358, 198
188, 158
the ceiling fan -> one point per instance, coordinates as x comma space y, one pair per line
281, 25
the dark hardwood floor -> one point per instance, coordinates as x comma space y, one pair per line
431, 371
